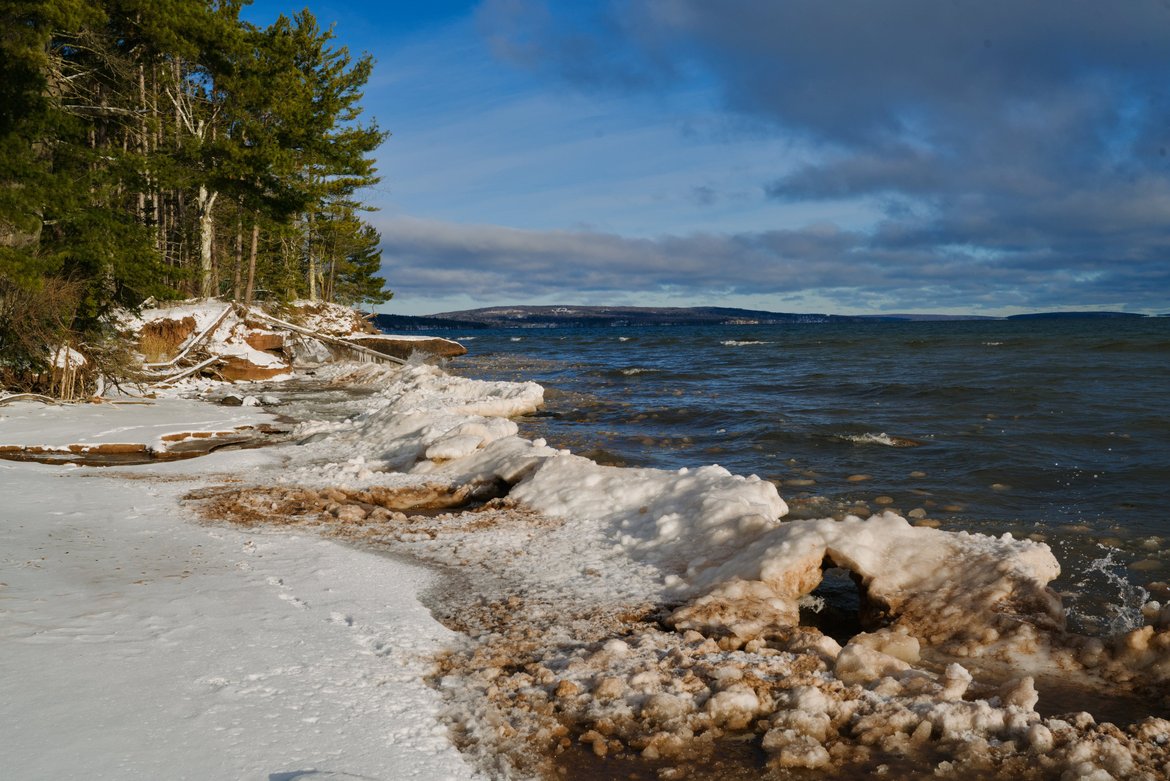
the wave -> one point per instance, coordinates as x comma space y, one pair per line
743, 342
880, 439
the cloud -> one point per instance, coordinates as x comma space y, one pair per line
851, 70
853, 271
1020, 148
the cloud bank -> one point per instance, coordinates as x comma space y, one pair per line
847, 271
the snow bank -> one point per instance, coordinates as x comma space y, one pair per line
715, 539
423, 416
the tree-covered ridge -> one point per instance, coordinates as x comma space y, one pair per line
168, 148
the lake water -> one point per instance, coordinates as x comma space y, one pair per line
1058, 430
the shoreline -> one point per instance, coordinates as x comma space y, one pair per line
595, 594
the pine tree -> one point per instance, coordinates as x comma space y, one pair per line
322, 87
350, 257
164, 147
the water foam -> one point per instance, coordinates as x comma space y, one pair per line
1123, 612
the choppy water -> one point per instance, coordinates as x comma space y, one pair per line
1056, 429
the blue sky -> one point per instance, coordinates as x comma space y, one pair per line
977, 156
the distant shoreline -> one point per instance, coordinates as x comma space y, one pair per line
604, 316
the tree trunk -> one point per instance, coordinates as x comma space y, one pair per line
204, 205
239, 269
312, 259
143, 143
252, 264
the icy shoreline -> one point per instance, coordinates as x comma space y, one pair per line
650, 614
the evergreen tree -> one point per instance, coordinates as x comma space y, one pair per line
164, 147
322, 88
351, 257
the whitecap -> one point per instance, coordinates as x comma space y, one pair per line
742, 343
879, 439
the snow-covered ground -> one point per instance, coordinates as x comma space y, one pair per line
136, 643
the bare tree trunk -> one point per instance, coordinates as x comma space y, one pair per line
179, 231
143, 143
252, 263
239, 269
312, 258
289, 257
205, 204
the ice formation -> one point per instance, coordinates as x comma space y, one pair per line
958, 624
964, 593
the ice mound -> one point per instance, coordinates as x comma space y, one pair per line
432, 416
965, 592
678, 521
426, 388
420, 419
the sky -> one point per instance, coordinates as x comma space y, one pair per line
981, 157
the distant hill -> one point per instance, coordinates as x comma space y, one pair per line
926, 318
627, 316
570, 316
1074, 315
